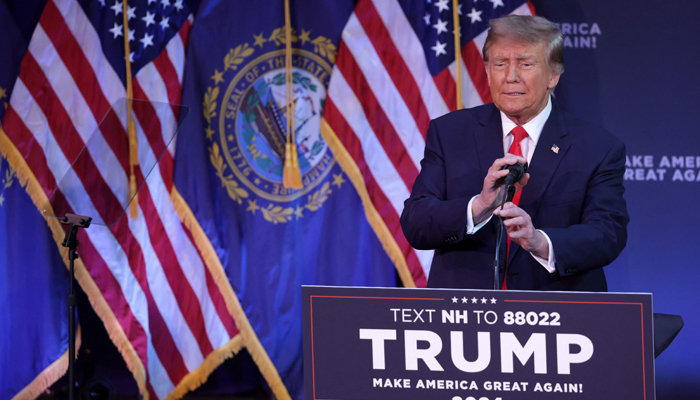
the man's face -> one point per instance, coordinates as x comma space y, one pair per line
519, 78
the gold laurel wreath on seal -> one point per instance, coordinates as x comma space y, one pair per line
273, 213
7, 180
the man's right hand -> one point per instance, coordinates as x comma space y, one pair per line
491, 193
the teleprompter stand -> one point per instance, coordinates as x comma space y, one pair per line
98, 162
74, 222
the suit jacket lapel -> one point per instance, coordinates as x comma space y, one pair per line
489, 141
543, 166
489, 144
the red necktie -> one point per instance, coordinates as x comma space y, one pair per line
519, 134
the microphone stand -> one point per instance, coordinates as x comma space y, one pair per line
74, 223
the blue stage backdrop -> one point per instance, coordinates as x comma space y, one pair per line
630, 67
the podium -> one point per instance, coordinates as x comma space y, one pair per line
453, 344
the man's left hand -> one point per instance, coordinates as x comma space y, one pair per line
520, 230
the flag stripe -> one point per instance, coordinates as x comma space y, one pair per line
353, 111
30, 149
60, 80
216, 297
373, 115
447, 87
146, 113
68, 138
475, 66
391, 59
410, 49
161, 277
169, 78
379, 84
70, 55
87, 38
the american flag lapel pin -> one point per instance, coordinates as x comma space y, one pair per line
555, 149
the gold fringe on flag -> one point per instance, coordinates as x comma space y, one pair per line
458, 54
247, 335
48, 376
131, 129
291, 177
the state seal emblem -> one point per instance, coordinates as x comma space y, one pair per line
245, 112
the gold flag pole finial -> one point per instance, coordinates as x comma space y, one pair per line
291, 177
131, 128
458, 54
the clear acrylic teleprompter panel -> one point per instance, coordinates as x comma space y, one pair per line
92, 168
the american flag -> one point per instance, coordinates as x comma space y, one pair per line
395, 72
145, 277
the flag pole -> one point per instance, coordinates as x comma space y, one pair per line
291, 177
131, 129
458, 54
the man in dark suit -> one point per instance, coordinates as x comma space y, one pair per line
569, 218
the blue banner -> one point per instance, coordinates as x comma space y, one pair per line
229, 163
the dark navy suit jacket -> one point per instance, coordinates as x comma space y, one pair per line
574, 196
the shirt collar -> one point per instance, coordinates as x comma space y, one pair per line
533, 127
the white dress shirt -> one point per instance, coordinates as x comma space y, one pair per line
534, 129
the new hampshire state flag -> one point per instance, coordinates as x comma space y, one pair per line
269, 239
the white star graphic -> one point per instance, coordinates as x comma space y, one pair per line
117, 30
493, 300
426, 18
464, 299
164, 23
497, 3
102, 2
131, 12
459, 9
442, 5
454, 299
117, 7
151, 1
440, 26
149, 19
147, 40
439, 48
474, 15
178, 5
131, 57
483, 300
165, 3
474, 300
131, 34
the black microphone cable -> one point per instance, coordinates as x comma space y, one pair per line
517, 172
499, 239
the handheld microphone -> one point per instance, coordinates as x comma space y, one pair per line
516, 173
